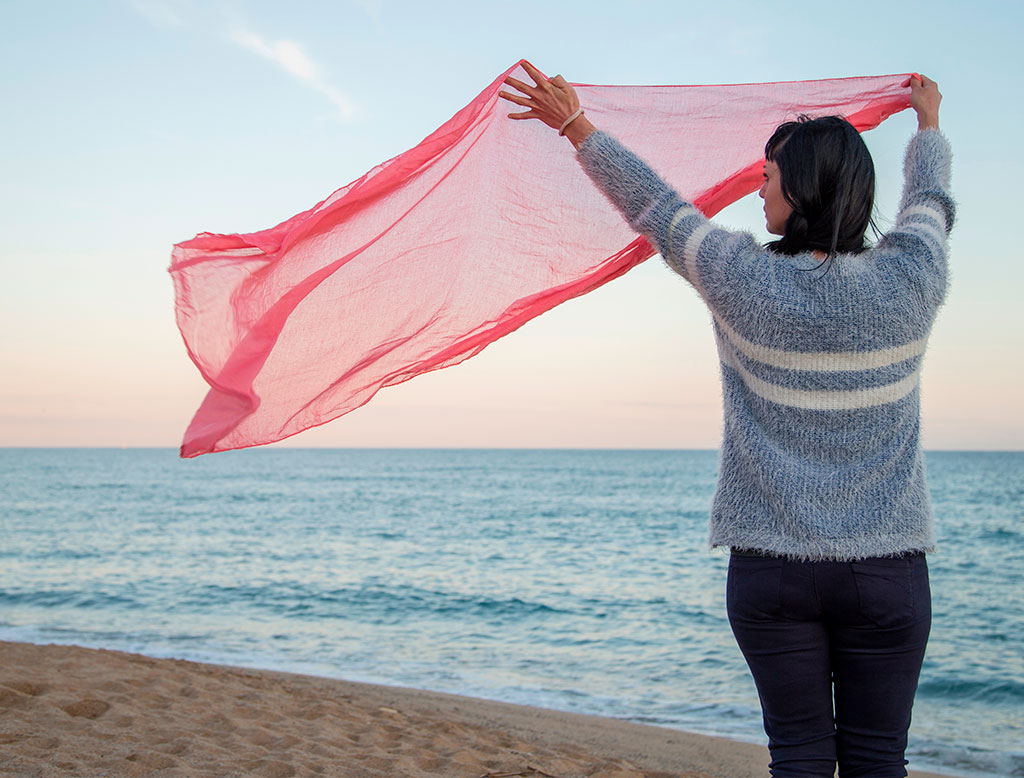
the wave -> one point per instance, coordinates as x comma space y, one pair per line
377, 603
952, 688
944, 756
68, 598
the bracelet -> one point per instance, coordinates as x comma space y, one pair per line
570, 120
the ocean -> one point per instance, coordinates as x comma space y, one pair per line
571, 579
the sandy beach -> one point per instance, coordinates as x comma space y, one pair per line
71, 711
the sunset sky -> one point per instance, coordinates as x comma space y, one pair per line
132, 125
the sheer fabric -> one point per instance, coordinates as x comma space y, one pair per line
432, 255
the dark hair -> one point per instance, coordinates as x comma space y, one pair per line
828, 177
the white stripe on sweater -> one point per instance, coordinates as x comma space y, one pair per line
822, 361
821, 400
690, 255
923, 210
681, 213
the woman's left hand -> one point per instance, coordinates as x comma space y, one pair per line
552, 101
924, 99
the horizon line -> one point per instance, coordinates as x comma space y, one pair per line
452, 448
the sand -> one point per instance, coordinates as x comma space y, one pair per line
71, 711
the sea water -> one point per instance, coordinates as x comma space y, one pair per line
576, 580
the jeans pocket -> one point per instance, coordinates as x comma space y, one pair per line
885, 590
753, 587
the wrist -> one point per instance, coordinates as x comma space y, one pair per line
579, 130
928, 121
570, 119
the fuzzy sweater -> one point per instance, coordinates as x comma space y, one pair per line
821, 454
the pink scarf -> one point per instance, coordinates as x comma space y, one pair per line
432, 255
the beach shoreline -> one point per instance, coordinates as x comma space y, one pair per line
73, 711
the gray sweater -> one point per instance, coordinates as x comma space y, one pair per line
821, 454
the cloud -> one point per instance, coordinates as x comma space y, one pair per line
289, 56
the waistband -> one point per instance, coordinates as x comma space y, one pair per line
755, 552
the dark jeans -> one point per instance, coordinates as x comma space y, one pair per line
811, 631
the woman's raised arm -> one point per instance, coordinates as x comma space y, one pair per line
927, 210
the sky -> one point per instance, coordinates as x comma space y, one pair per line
131, 125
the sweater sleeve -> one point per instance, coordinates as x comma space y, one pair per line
717, 262
925, 217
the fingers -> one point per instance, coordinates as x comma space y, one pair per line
517, 84
541, 83
518, 99
523, 115
536, 75
541, 80
918, 81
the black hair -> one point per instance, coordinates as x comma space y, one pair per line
828, 178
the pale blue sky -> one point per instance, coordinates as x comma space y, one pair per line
131, 125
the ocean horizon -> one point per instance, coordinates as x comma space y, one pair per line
573, 579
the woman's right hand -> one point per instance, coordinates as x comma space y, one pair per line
924, 99
552, 101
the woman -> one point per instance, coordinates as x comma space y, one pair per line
821, 492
